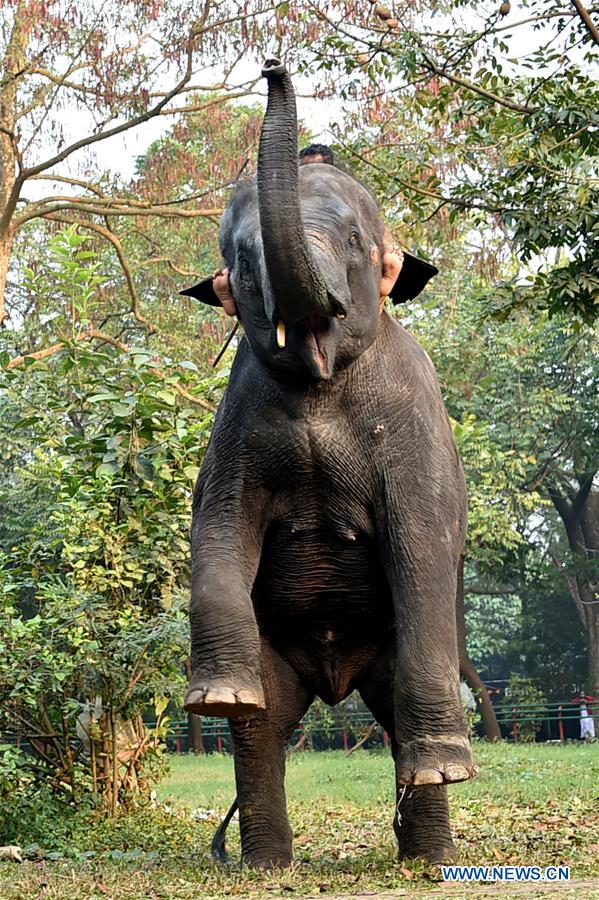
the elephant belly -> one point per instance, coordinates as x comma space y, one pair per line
324, 604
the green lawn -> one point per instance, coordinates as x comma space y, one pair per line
536, 805
526, 773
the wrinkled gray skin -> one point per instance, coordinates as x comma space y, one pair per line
330, 510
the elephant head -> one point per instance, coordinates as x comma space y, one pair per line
304, 248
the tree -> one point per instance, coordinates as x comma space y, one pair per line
94, 576
75, 75
468, 670
206, 152
495, 509
455, 120
525, 389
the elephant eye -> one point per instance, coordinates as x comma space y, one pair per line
354, 239
244, 269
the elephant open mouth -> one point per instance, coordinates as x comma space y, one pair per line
318, 328
311, 332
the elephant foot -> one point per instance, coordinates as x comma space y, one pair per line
268, 860
435, 760
431, 854
224, 698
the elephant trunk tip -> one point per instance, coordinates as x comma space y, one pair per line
273, 68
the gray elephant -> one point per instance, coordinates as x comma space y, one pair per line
330, 511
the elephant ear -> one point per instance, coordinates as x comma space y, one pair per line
412, 279
203, 291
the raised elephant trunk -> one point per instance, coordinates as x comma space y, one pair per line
298, 287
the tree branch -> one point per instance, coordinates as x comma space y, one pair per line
488, 593
431, 66
197, 401
154, 260
373, 725
107, 233
562, 505
586, 20
199, 107
92, 207
581, 496
197, 29
90, 334
97, 335
65, 179
434, 195
475, 88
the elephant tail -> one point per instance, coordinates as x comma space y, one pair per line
218, 847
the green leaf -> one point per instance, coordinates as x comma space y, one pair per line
99, 398
121, 409
106, 468
160, 704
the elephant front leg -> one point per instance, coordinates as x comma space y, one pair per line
430, 726
431, 729
225, 642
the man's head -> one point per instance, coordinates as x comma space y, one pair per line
316, 153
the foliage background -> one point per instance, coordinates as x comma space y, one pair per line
476, 127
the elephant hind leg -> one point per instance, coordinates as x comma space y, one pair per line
421, 821
260, 744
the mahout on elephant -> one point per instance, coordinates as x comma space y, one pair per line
330, 510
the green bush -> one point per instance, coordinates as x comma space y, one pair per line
104, 449
527, 703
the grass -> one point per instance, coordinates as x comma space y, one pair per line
533, 805
527, 773
328, 778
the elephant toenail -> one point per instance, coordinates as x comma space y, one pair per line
428, 776
456, 773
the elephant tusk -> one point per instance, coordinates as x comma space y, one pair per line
281, 334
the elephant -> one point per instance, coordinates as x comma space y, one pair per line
330, 510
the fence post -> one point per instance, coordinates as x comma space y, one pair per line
560, 723
345, 739
178, 733
515, 721
385, 739
219, 736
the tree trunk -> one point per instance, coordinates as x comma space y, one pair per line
580, 514
593, 649
194, 731
194, 723
481, 694
115, 763
589, 524
14, 62
468, 669
5, 250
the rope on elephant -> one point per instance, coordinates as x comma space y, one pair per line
399, 802
228, 340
